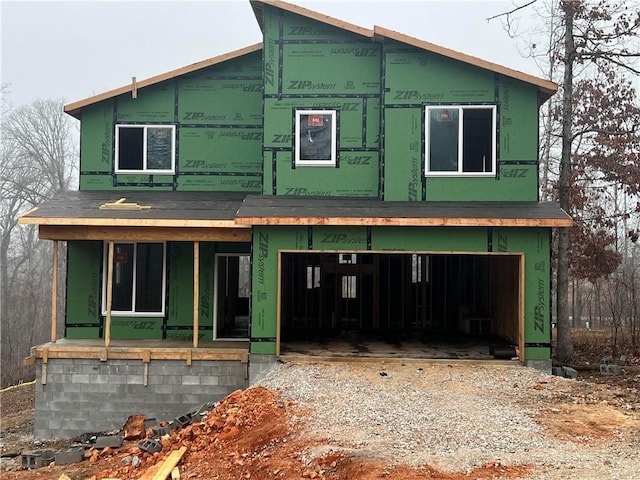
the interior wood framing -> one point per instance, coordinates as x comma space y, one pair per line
509, 264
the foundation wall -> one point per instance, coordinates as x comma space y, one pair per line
88, 395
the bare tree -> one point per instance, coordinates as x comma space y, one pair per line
38, 159
591, 45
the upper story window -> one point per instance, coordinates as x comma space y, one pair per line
460, 140
145, 149
138, 279
316, 138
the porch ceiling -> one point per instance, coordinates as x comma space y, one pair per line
139, 215
291, 210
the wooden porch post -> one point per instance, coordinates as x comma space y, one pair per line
196, 291
54, 294
107, 327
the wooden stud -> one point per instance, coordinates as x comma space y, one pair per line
45, 361
107, 327
196, 292
146, 358
169, 463
278, 304
54, 294
134, 88
521, 266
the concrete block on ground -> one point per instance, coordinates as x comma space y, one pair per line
542, 365
150, 446
569, 372
610, 369
37, 459
182, 421
72, 455
113, 441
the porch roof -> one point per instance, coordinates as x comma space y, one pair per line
139, 215
295, 210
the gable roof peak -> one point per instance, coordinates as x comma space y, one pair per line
546, 87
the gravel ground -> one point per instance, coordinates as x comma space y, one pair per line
458, 416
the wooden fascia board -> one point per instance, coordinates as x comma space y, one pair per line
74, 108
408, 222
305, 12
127, 222
546, 87
144, 234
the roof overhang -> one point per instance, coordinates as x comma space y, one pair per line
229, 216
139, 215
74, 109
290, 210
545, 87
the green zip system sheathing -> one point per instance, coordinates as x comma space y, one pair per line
505, 247
85, 318
218, 116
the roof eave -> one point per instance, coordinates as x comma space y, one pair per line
545, 87
258, 10
74, 109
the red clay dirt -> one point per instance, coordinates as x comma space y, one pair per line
247, 436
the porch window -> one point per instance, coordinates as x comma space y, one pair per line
315, 137
138, 279
460, 140
145, 149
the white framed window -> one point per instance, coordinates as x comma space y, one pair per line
145, 149
460, 140
316, 138
139, 281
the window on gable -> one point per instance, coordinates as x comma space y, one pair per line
460, 140
315, 137
138, 279
145, 149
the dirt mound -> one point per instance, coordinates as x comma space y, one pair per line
246, 436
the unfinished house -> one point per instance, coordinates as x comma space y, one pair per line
332, 190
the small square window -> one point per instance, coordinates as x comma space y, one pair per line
316, 137
145, 149
460, 140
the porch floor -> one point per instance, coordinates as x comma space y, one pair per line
145, 350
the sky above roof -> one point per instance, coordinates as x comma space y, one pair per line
76, 49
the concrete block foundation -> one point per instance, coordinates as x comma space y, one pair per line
89, 395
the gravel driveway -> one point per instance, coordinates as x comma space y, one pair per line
459, 416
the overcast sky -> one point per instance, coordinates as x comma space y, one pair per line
77, 49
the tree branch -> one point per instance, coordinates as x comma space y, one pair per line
511, 11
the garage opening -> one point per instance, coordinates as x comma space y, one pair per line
399, 304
